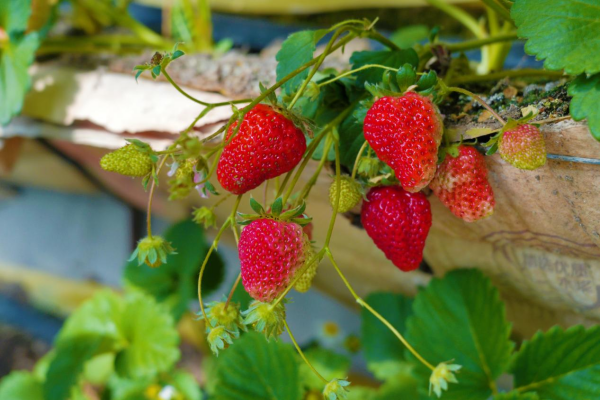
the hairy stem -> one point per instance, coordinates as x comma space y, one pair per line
232, 291
353, 71
358, 157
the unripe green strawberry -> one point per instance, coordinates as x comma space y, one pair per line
350, 194
523, 147
304, 283
128, 161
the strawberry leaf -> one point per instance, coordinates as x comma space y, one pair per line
175, 283
586, 97
384, 353
17, 52
295, 51
394, 59
465, 310
561, 364
564, 34
21, 385
252, 357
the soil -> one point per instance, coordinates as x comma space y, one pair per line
19, 350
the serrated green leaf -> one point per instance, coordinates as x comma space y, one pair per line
330, 365
97, 370
253, 369
516, 396
295, 51
408, 36
21, 385
586, 97
383, 350
394, 59
15, 59
152, 340
563, 34
561, 365
461, 318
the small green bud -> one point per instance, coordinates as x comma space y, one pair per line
220, 338
336, 389
205, 216
152, 250
266, 318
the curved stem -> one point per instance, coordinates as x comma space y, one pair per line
343, 75
180, 90
479, 100
313, 180
315, 258
232, 291
315, 68
213, 246
358, 156
475, 44
383, 40
289, 331
150, 197
364, 304
513, 73
218, 203
338, 187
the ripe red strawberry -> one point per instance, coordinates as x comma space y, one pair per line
523, 147
267, 145
271, 252
398, 222
461, 184
405, 133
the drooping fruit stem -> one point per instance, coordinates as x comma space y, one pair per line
232, 291
213, 246
151, 196
358, 157
313, 179
364, 304
289, 331
315, 258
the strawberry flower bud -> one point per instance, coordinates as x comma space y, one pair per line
219, 338
441, 375
266, 318
230, 318
336, 389
205, 216
152, 250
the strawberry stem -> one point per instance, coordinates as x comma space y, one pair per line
313, 180
479, 100
213, 246
364, 304
150, 197
358, 157
513, 73
315, 68
289, 331
232, 291
353, 71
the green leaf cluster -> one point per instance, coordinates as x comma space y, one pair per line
461, 318
17, 51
